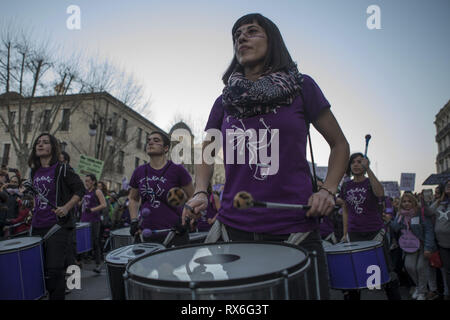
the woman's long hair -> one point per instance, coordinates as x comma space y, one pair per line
34, 162
277, 58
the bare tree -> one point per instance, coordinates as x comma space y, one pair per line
38, 83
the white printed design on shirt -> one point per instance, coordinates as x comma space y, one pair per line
443, 215
259, 169
355, 199
150, 194
39, 184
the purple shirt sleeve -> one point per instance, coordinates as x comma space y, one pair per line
133, 181
315, 101
184, 176
216, 115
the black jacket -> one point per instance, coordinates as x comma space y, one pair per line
68, 184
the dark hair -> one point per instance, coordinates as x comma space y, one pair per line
352, 157
92, 177
34, 161
277, 57
165, 138
103, 187
66, 156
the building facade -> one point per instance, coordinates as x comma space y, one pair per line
442, 124
119, 137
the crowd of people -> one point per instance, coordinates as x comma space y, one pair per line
263, 89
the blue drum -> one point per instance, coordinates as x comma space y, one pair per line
21, 269
84, 242
351, 264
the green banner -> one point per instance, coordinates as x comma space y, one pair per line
90, 165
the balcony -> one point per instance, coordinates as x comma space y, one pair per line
443, 154
443, 132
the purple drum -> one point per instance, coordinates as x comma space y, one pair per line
21, 269
84, 242
352, 265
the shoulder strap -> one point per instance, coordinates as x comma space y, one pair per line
314, 177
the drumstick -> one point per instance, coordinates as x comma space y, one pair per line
368, 137
29, 186
244, 200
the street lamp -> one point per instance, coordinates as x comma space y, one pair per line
107, 135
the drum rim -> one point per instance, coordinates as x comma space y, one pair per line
124, 248
380, 244
35, 244
217, 283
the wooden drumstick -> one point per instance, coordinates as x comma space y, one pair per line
244, 200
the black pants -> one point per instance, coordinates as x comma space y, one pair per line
445, 257
72, 250
391, 288
55, 251
95, 236
312, 243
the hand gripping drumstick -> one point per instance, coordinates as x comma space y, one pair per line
244, 200
29, 186
368, 137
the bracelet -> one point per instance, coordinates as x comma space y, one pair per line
331, 193
206, 193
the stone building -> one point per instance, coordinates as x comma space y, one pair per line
442, 123
96, 125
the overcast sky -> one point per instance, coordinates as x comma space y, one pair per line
389, 82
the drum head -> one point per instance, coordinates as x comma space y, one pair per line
124, 232
80, 225
348, 247
123, 255
18, 243
217, 264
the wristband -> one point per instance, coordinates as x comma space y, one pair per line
206, 193
331, 193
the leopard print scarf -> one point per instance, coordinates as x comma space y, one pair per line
243, 98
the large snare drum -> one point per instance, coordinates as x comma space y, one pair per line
21, 269
351, 264
116, 262
233, 270
84, 242
197, 237
121, 238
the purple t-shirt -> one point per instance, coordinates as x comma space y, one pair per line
290, 184
364, 214
326, 227
90, 200
153, 186
44, 181
211, 211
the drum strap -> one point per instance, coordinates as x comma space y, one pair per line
297, 238
217, 230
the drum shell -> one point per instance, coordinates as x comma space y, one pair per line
349, 270
261, 289
84, 241
22, 272
115, 269
121, 238
197, 237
